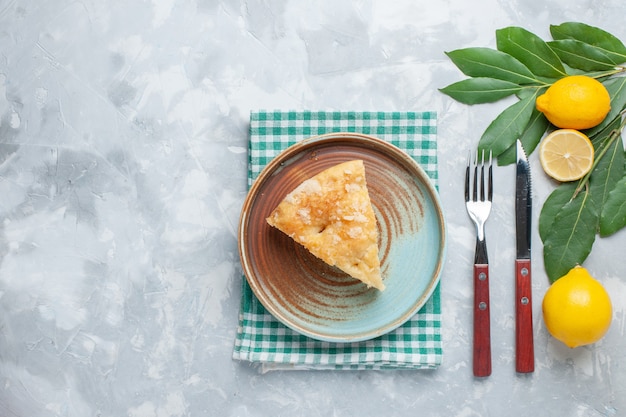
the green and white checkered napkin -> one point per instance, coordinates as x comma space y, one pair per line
263, 339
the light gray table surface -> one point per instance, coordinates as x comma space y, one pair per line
123, 134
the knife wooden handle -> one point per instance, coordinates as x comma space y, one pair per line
524, 345
482, 325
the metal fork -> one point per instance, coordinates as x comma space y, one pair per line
478, 197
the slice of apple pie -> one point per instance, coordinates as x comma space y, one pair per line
331, 215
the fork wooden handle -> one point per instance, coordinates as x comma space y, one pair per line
524, 345
482, 322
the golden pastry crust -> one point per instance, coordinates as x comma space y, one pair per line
331, 215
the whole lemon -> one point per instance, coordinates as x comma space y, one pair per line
577, 309
575, 102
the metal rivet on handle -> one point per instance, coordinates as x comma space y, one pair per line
524, 300
482, 305
482, 276
524, 271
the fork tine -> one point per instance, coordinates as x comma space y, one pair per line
490, 189
467, 176
482, 177
475, 190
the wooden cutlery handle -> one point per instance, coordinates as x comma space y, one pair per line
482, 325
524, 345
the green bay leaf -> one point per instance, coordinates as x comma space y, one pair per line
607, 172
570, 236
491, 63
504, 130
530, 138
530, 50
613, 217
582, 56
480, 90
591, 35
553, 204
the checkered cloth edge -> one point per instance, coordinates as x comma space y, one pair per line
263, 339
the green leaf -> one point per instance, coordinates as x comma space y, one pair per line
608, 171
611, 45
599, 138
507, 127
480, 90
617, 90
570, 237
531, 51
553, 204
613, 217
491, 63
582, 56
530, 138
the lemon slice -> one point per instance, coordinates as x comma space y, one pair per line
566, 155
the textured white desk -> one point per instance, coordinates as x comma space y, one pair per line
123, 130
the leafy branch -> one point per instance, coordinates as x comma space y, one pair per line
575, 213
524, 65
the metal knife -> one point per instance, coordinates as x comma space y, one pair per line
524, 345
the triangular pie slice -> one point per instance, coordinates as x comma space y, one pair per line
331, 215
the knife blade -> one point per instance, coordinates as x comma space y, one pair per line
524, 344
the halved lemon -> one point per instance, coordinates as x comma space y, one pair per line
566, 155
